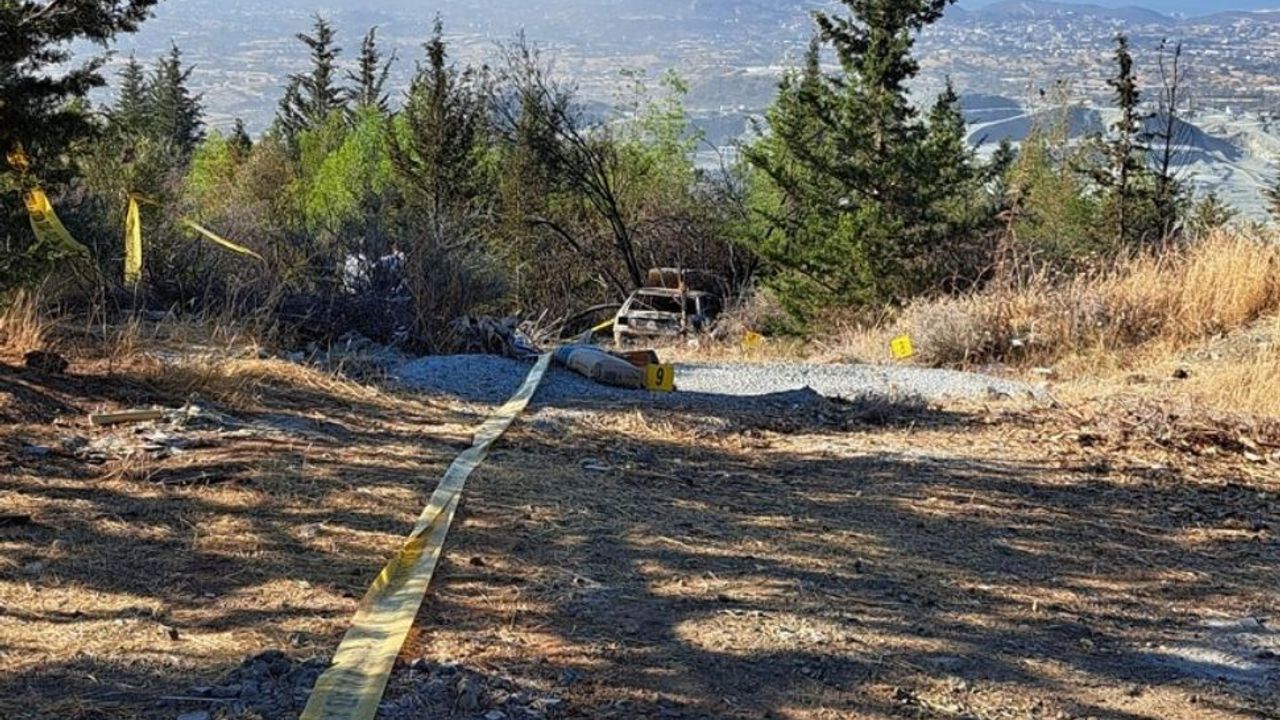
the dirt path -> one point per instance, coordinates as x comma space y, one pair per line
970, 563
966, 567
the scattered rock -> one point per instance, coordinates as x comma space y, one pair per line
468, 695
198, 715
227, 691
48, 363
39, 451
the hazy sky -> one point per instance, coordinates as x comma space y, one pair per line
1191, 7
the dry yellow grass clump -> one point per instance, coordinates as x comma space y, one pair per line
23, 328
1171, 298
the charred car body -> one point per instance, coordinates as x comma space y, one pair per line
676, 303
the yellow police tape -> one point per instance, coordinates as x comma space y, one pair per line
132, 244
214, 237
48, 228
352, 687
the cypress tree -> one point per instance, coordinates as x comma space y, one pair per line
240, 141
371, 75
129, 114
860, 180
437, 154
173, 114
437, 158
1127, 177
311, 97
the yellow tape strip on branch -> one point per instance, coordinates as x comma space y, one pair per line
48, 228
352, 687
214, 237
206, 232
132, 244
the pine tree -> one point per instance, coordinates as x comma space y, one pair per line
437, 155
173, 114
371, 76
129, 113
240, 141
1272, 194
1212, 213
36, 111
1126, 179
310, 98
946, 144
861, 183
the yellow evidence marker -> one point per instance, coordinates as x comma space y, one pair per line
660, 378
903, 348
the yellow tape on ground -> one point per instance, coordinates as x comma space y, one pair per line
352, 687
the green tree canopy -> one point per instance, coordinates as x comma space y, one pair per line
866, 193
36, 84
370, 78
311, 97
174, 115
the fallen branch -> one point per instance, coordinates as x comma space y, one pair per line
128, 416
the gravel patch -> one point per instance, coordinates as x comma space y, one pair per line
273, 685
492, 379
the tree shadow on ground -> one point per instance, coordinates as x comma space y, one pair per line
719, 579
762, 584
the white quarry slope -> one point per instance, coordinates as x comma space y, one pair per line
1233, 155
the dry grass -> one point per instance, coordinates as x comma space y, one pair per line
1128, 314
1174, 298
1241, 374
23, 327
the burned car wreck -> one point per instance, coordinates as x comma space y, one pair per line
674, 304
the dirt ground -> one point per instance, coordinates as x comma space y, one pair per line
1110, 559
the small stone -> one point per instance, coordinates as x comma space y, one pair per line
46, 362
197, 715
468, 695
226, 692
495, 715
37, 451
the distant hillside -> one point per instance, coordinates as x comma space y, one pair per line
1041, 10
1235, 16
